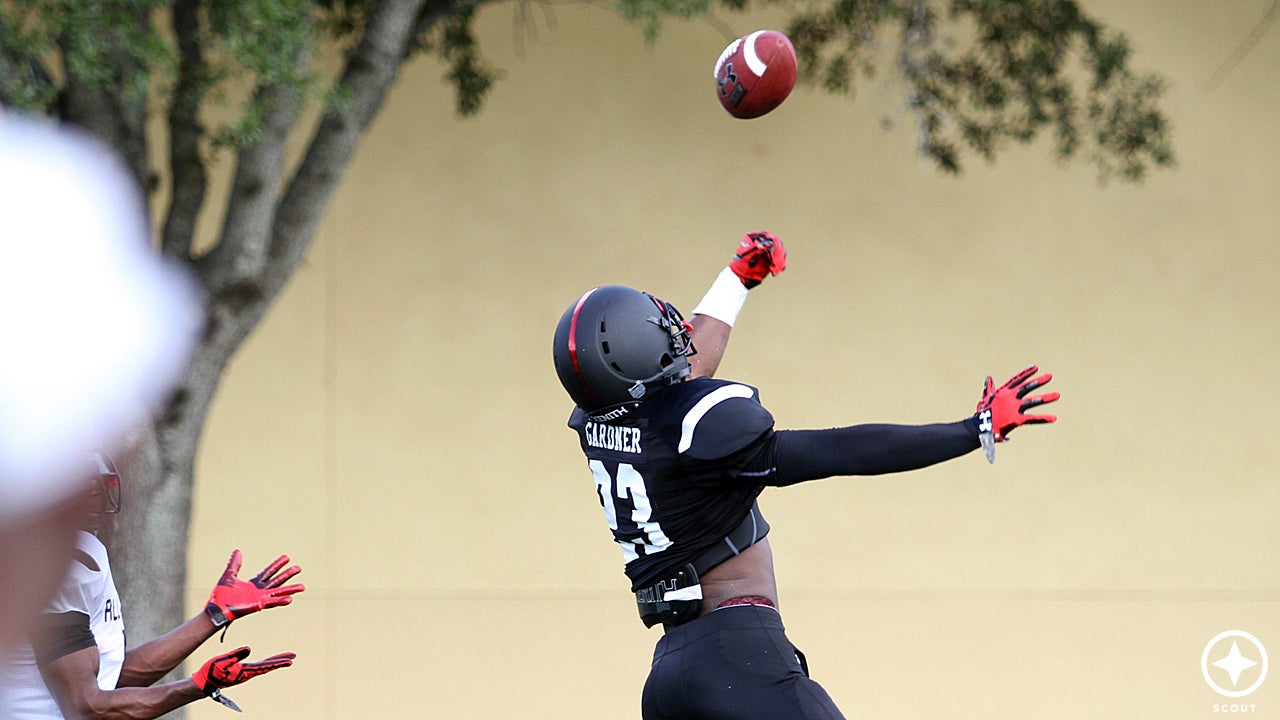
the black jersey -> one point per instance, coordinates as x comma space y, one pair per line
670, 474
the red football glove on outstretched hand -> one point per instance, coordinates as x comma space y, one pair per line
233, 598
230, 669
1004, 408
758, 255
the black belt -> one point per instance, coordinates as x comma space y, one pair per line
751, 530
652, 601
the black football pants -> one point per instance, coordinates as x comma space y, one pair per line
734, 664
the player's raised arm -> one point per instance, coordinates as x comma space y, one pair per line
759, 255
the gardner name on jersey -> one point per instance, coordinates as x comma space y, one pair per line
611, 437
672, 474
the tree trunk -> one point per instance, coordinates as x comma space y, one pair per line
243, 277
148, 542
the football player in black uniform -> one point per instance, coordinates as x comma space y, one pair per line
679, 459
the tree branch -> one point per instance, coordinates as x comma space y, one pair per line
242, 252
371, 68
112, 107
189, 179
17, 67
1244, 48
429, 16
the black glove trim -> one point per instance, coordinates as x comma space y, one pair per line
215, 614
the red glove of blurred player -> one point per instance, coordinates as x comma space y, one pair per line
759, 254
234, 598
1004, 408
230, 669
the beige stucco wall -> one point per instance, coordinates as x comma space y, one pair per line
397, 427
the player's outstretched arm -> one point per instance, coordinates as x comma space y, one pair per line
232, 598
73, 681
759, 255
793, 456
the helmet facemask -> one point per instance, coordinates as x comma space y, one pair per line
681, 332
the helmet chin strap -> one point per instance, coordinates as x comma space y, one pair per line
672, 373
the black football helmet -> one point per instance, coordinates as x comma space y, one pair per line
614, 344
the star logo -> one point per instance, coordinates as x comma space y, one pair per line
1234, 662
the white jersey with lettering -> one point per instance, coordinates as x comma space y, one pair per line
88, 589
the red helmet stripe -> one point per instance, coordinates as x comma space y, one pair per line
573, 343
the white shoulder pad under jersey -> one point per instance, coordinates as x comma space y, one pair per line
84, 587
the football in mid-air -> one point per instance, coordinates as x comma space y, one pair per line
755, 73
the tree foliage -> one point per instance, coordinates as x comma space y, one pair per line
978, 75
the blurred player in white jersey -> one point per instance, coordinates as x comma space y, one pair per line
96, 328
76, 665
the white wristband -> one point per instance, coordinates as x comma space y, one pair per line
724, 299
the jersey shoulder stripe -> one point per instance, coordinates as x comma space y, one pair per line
704, 405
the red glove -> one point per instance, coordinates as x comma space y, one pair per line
759, 254
229, 669
1004, 408
233, 598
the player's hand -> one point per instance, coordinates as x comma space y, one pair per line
230, 669
234, 598
1004, 408
758, 255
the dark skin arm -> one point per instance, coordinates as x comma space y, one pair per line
151, 660
710, 338
73, 678
73, 681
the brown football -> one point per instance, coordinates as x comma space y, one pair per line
755, 73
